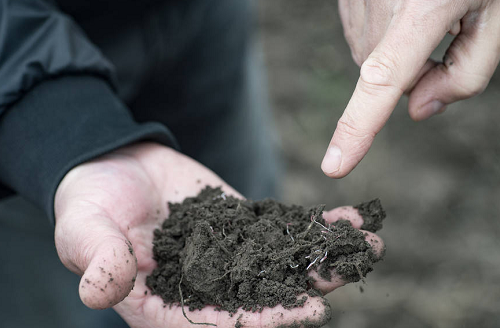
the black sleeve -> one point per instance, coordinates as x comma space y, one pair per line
57, 104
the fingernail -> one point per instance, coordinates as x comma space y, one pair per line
331, 161
430, 109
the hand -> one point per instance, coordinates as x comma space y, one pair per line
106, 211
392, 41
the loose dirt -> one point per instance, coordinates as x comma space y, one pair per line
215, 249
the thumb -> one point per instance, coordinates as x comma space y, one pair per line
384, 76
91, 245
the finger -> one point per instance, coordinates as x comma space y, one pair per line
429, 64
352, 15
384, 76
466, 71
455, 30
337, 281
352, 215
92, 245
348, 213
376, 243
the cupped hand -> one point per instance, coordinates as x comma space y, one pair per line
392, 41
106, 211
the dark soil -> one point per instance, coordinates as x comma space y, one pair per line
218, 250
372, 213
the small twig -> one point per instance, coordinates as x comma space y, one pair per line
319, 240
324, 257
294, 266
313, 219
225, 274
312, 263
218, 241
288, 231
184, 312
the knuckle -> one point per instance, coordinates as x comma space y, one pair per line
469, 84
474, 86
347, 127
425, 13
379, 72
470, 79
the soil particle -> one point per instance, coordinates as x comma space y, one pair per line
218, 250
238, 323
319, 321
373, 214
129, 245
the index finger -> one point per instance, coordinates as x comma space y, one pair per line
410, 39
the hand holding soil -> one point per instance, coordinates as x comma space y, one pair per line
392, 42
107, 209
237, 254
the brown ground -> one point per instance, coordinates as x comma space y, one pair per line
438, 180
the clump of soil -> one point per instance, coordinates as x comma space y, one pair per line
372, 213
218, 250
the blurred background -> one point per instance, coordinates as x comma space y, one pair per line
438, 180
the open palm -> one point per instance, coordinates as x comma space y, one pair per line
106, 211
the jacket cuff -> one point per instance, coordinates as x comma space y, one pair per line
60, 124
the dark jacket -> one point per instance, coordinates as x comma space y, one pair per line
61, 102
